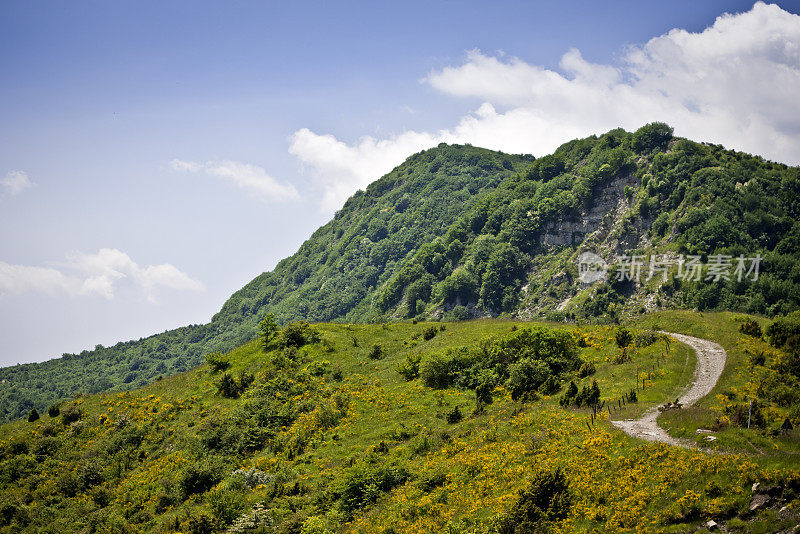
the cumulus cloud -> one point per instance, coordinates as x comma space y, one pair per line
251, 178
15, 182
96, 274
341, 168
734, 83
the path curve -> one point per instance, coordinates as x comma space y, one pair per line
710, 363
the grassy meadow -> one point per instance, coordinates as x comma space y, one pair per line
331, 437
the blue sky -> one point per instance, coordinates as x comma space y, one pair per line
154, 157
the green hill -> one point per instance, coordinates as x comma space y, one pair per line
459, 232
431, 427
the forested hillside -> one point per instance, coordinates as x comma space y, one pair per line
332, 276
458, 232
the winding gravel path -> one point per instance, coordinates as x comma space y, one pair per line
710, 363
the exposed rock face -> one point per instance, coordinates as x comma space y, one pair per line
609, 206
606, 228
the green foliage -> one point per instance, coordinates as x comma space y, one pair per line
363, 483
653, 136
623, 337
645, 339
197, 478
454, 415
217, 361
442, 369
525, 359
586, 369
267, 330
54, 410
550, 386
70, 414
297, 334
33, 416
741, 414
750, 328
409, 368
226, 504
430, 332
780, 330
200, 524
525, 377
229, 387
547, 499
587, 396
376, 352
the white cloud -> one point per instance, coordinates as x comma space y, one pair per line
96, 274
735, 83
251, 178
15, 182
24, 278
340, 168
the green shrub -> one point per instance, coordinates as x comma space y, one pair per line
88, 474
758, 358
623, 337
740, 413
459, 313
33, 416
229, 387
68, 485
750, 328
409, 368
525, 376
197, 478
550, 386
375, 352
217, 361
430, 332
587, 396
337, 374
441, 369
546, 499
780, 330
200, 524
363, 483
226, 504
318, 368
297, 334
54, 410
645, 339
484, 389
454, 416
70, 414
652, 136
586, 369
46, 446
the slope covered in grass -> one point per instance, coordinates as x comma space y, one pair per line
331, 436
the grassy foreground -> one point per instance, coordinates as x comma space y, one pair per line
330, 437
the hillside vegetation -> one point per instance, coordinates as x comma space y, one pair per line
474, 426
459, 232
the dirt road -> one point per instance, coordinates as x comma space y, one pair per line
710, 363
